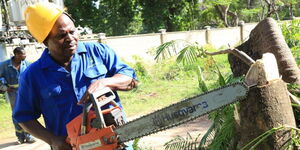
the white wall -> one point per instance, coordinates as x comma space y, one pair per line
141, 45
33, 51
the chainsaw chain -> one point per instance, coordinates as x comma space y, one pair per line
184, 121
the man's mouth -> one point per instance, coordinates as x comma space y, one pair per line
71, 46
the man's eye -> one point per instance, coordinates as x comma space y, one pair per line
73, 32
60, 36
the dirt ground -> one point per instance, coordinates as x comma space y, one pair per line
153, 142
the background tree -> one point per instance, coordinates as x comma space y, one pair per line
122, 17
222, 7
291, 4
173, 15
114, 17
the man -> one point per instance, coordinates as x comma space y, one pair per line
9, 72
65, 74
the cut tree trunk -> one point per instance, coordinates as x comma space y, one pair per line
267, 106
267, 37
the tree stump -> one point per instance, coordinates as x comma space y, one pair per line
267, 106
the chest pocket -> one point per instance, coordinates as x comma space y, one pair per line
96, 71
51, 91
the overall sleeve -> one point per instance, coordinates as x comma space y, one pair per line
114, 64
26, 106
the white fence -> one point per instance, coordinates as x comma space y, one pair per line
140, 45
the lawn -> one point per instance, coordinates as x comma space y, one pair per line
6, 126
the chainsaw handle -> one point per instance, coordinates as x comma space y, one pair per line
109, 98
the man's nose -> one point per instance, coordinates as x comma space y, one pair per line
71, 36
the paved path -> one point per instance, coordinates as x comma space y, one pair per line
155, 141
11, 144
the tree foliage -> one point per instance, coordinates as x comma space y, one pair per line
173, 15
121, 17
114, 17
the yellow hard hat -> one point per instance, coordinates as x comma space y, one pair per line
40, 18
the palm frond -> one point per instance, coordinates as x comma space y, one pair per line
255, 142
180, 143
167, 49
188, 55
201, 81
220, 78
231, 79
207, 137
225, 129
221, 132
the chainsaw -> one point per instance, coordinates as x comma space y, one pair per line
97, 129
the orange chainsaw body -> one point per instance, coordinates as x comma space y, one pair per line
94, 139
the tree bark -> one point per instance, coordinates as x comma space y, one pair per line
266, 107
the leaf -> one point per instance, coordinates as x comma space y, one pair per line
261, 138
180, 143
201, 80
188, 55
167, 49
207, 136
221, 78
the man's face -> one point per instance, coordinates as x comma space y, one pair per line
62, 39
21, 55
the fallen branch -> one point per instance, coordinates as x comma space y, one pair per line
240, 54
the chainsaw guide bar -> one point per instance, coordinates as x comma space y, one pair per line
181, 112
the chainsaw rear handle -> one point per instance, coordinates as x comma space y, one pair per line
109, 98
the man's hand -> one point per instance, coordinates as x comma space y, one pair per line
37, 130
59, 143
117, 82
92, 88
10, 89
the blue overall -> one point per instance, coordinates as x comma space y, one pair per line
49, 89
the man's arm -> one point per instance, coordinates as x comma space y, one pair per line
37, 130
116, 82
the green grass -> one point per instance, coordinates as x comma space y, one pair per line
6, 126
154, 94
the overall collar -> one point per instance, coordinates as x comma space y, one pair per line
48, 62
